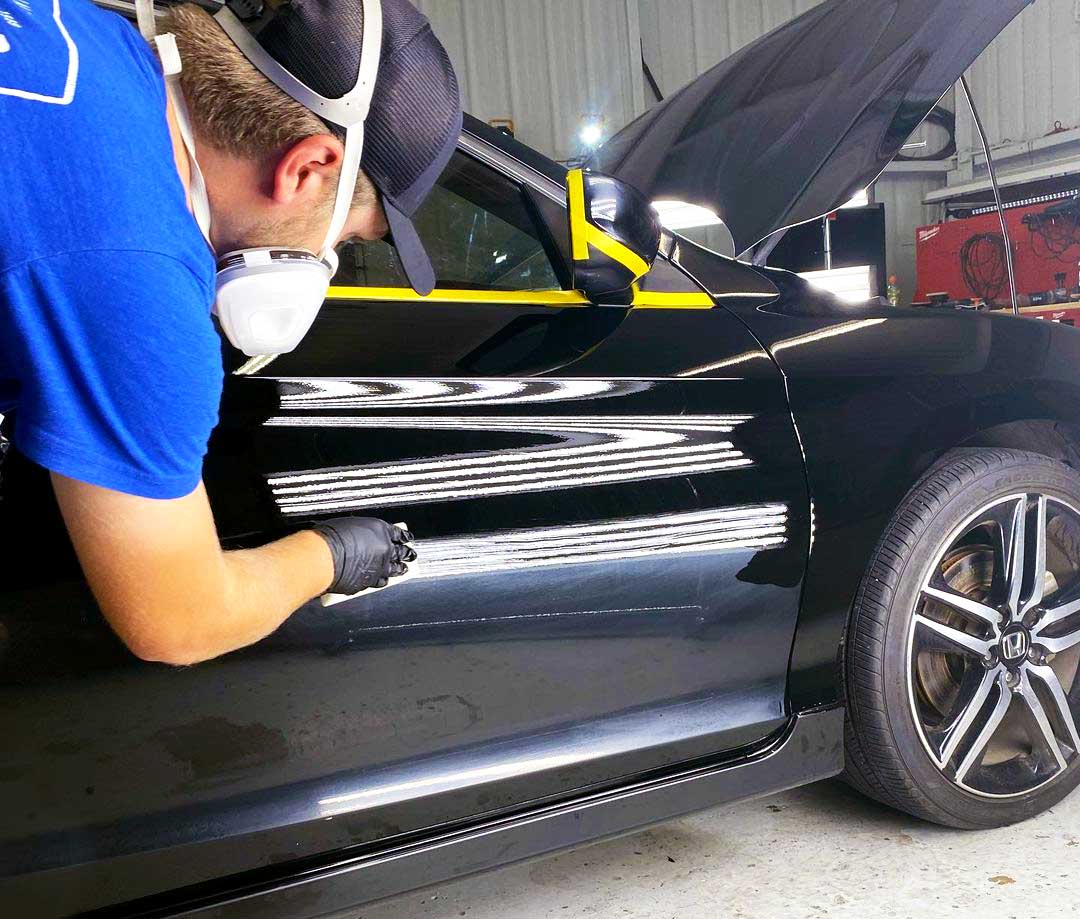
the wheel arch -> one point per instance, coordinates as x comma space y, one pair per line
1055, 439
911, 458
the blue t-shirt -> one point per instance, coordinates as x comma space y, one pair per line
108, 353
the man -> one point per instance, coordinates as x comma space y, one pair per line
109, 361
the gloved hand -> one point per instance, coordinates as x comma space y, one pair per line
366, 552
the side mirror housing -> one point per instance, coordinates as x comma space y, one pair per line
614, 234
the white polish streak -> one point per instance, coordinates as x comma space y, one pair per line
626, 473
613, 450
299, 393
745, 527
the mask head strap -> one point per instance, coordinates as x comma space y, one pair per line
171, 66
348, 111
144, 17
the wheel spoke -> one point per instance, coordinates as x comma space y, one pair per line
1056, 614
1062, 643
1061, 702
1014, 569
946, 638
1027, 693
962, 725
1038, 562
988, 730
985, 614
1002, 521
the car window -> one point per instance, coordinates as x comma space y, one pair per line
477, 228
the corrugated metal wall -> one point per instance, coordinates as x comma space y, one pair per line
548, 63
544, 64
1030, 76
1027, 87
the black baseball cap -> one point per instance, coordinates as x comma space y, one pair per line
414, 118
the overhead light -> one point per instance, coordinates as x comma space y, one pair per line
679, 215
592, 131
852, 285
862, 199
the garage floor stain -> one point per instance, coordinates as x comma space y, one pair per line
821, 851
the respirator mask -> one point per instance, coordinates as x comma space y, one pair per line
268, 297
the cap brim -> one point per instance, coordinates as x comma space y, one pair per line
411, 252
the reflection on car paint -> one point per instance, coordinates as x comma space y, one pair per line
844, 328
602, 450
734, 361
428, 625
343, 803
689, 717
759, 526
406, 393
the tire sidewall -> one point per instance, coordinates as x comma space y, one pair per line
960, 806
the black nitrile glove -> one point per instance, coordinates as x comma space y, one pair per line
366, 552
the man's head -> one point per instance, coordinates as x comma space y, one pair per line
271, 165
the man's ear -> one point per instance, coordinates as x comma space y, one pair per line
303, 171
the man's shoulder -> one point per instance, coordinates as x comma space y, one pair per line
50, 48
83, 127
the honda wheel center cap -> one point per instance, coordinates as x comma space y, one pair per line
1015, 645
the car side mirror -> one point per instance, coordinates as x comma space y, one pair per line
614, 234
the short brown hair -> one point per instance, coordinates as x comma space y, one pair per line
235, 108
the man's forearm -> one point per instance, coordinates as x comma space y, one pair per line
172, 595
264, 586
259, 589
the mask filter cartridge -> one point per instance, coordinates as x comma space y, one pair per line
267, 299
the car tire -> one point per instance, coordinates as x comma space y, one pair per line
906, 653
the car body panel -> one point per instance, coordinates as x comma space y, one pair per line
793, 125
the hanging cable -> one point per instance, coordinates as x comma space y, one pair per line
982, 261
997, 194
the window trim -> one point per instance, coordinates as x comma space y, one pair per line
511, 167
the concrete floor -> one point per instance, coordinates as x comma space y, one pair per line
817, 851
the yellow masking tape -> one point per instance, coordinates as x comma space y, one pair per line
579, 226
451, 295
583, 234
663, 300
614, 249
643, 299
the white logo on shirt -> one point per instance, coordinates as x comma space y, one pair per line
53, 84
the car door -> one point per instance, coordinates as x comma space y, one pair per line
611, 525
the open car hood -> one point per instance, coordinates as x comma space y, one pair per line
795, 124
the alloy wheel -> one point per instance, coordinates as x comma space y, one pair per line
994, 648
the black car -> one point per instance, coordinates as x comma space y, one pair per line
685, 536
